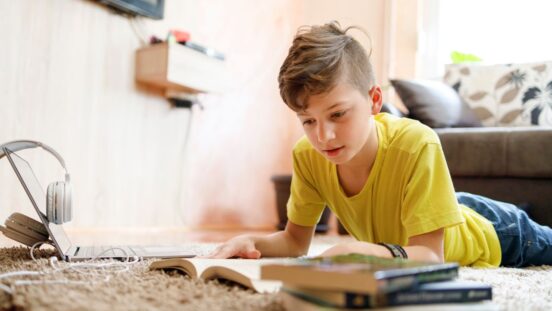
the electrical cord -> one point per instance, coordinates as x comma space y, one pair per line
87, 268
137, 31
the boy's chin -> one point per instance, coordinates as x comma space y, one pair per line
341, 159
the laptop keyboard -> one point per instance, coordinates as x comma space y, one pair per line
140, 251
105, 251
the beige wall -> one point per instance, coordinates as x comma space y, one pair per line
67, 79
367, 14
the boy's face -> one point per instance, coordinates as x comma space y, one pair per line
338, 123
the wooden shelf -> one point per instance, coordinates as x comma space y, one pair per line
175, 67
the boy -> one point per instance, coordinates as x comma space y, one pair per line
385, 178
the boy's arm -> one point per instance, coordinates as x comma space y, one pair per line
427, 247
294, 241
423, 247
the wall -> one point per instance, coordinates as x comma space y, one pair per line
67, 79
391, 26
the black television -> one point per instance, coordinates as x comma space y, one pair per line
148, 8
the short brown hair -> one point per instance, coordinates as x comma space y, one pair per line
318, 57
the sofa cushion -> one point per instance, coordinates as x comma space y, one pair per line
434, 103
523, 152
505, 95
392, 109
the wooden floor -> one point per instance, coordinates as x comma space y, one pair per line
151, 236
145, 236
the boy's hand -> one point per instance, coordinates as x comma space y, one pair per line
364, 248
241, 246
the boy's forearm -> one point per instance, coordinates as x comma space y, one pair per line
422, 253
417, 252
279, 244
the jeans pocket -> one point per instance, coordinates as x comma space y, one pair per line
532, 251
507, 229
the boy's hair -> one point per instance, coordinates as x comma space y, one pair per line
317, 59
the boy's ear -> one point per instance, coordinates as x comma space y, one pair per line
376, 96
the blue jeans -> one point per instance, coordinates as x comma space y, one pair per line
523, 241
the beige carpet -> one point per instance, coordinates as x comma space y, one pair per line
141, 289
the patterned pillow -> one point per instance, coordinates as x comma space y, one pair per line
505, 95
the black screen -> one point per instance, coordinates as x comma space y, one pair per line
149, 8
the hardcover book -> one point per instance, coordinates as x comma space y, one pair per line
358, 273
292, 302
456, 291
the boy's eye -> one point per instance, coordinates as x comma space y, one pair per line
308, 122
338, 114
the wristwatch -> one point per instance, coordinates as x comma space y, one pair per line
396, 250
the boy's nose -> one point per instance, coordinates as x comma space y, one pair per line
325, 133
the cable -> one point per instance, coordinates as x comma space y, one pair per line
6, 289
85, 268
136, 31
16, 273
38, 244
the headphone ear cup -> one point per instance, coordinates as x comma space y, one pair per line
56, 206
19, 237
24, 229
68, 202
50, 202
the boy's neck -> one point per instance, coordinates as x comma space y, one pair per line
363, 161
354, 174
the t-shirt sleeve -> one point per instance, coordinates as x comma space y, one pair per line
429, 202
305, 204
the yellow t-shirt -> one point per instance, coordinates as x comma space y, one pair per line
409, 192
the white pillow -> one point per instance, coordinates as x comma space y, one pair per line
505, 95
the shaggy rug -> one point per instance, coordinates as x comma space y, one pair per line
142, 289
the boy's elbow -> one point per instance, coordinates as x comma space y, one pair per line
434, 257
301, 252
298, 250
298, 239
422, 253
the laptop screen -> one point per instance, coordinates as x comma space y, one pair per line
38, 198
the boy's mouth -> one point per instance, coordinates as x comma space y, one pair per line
333, 152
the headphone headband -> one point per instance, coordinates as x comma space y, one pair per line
18, 145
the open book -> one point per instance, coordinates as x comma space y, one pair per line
245, 272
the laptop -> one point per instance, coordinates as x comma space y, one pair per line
69, 251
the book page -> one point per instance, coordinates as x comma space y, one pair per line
246, 272
181, 264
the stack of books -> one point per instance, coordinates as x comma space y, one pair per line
357, 281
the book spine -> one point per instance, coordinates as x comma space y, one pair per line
402, 282
436, 296
353, 300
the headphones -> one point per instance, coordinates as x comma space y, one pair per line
25, 230
58, 194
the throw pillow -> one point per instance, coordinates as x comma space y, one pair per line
434, 103
505, 95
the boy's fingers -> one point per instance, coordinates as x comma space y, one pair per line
243, 250
225, 252
213, 253
250, 252
254, 254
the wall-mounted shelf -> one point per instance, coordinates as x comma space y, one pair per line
176, 67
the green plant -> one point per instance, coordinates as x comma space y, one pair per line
458, 58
